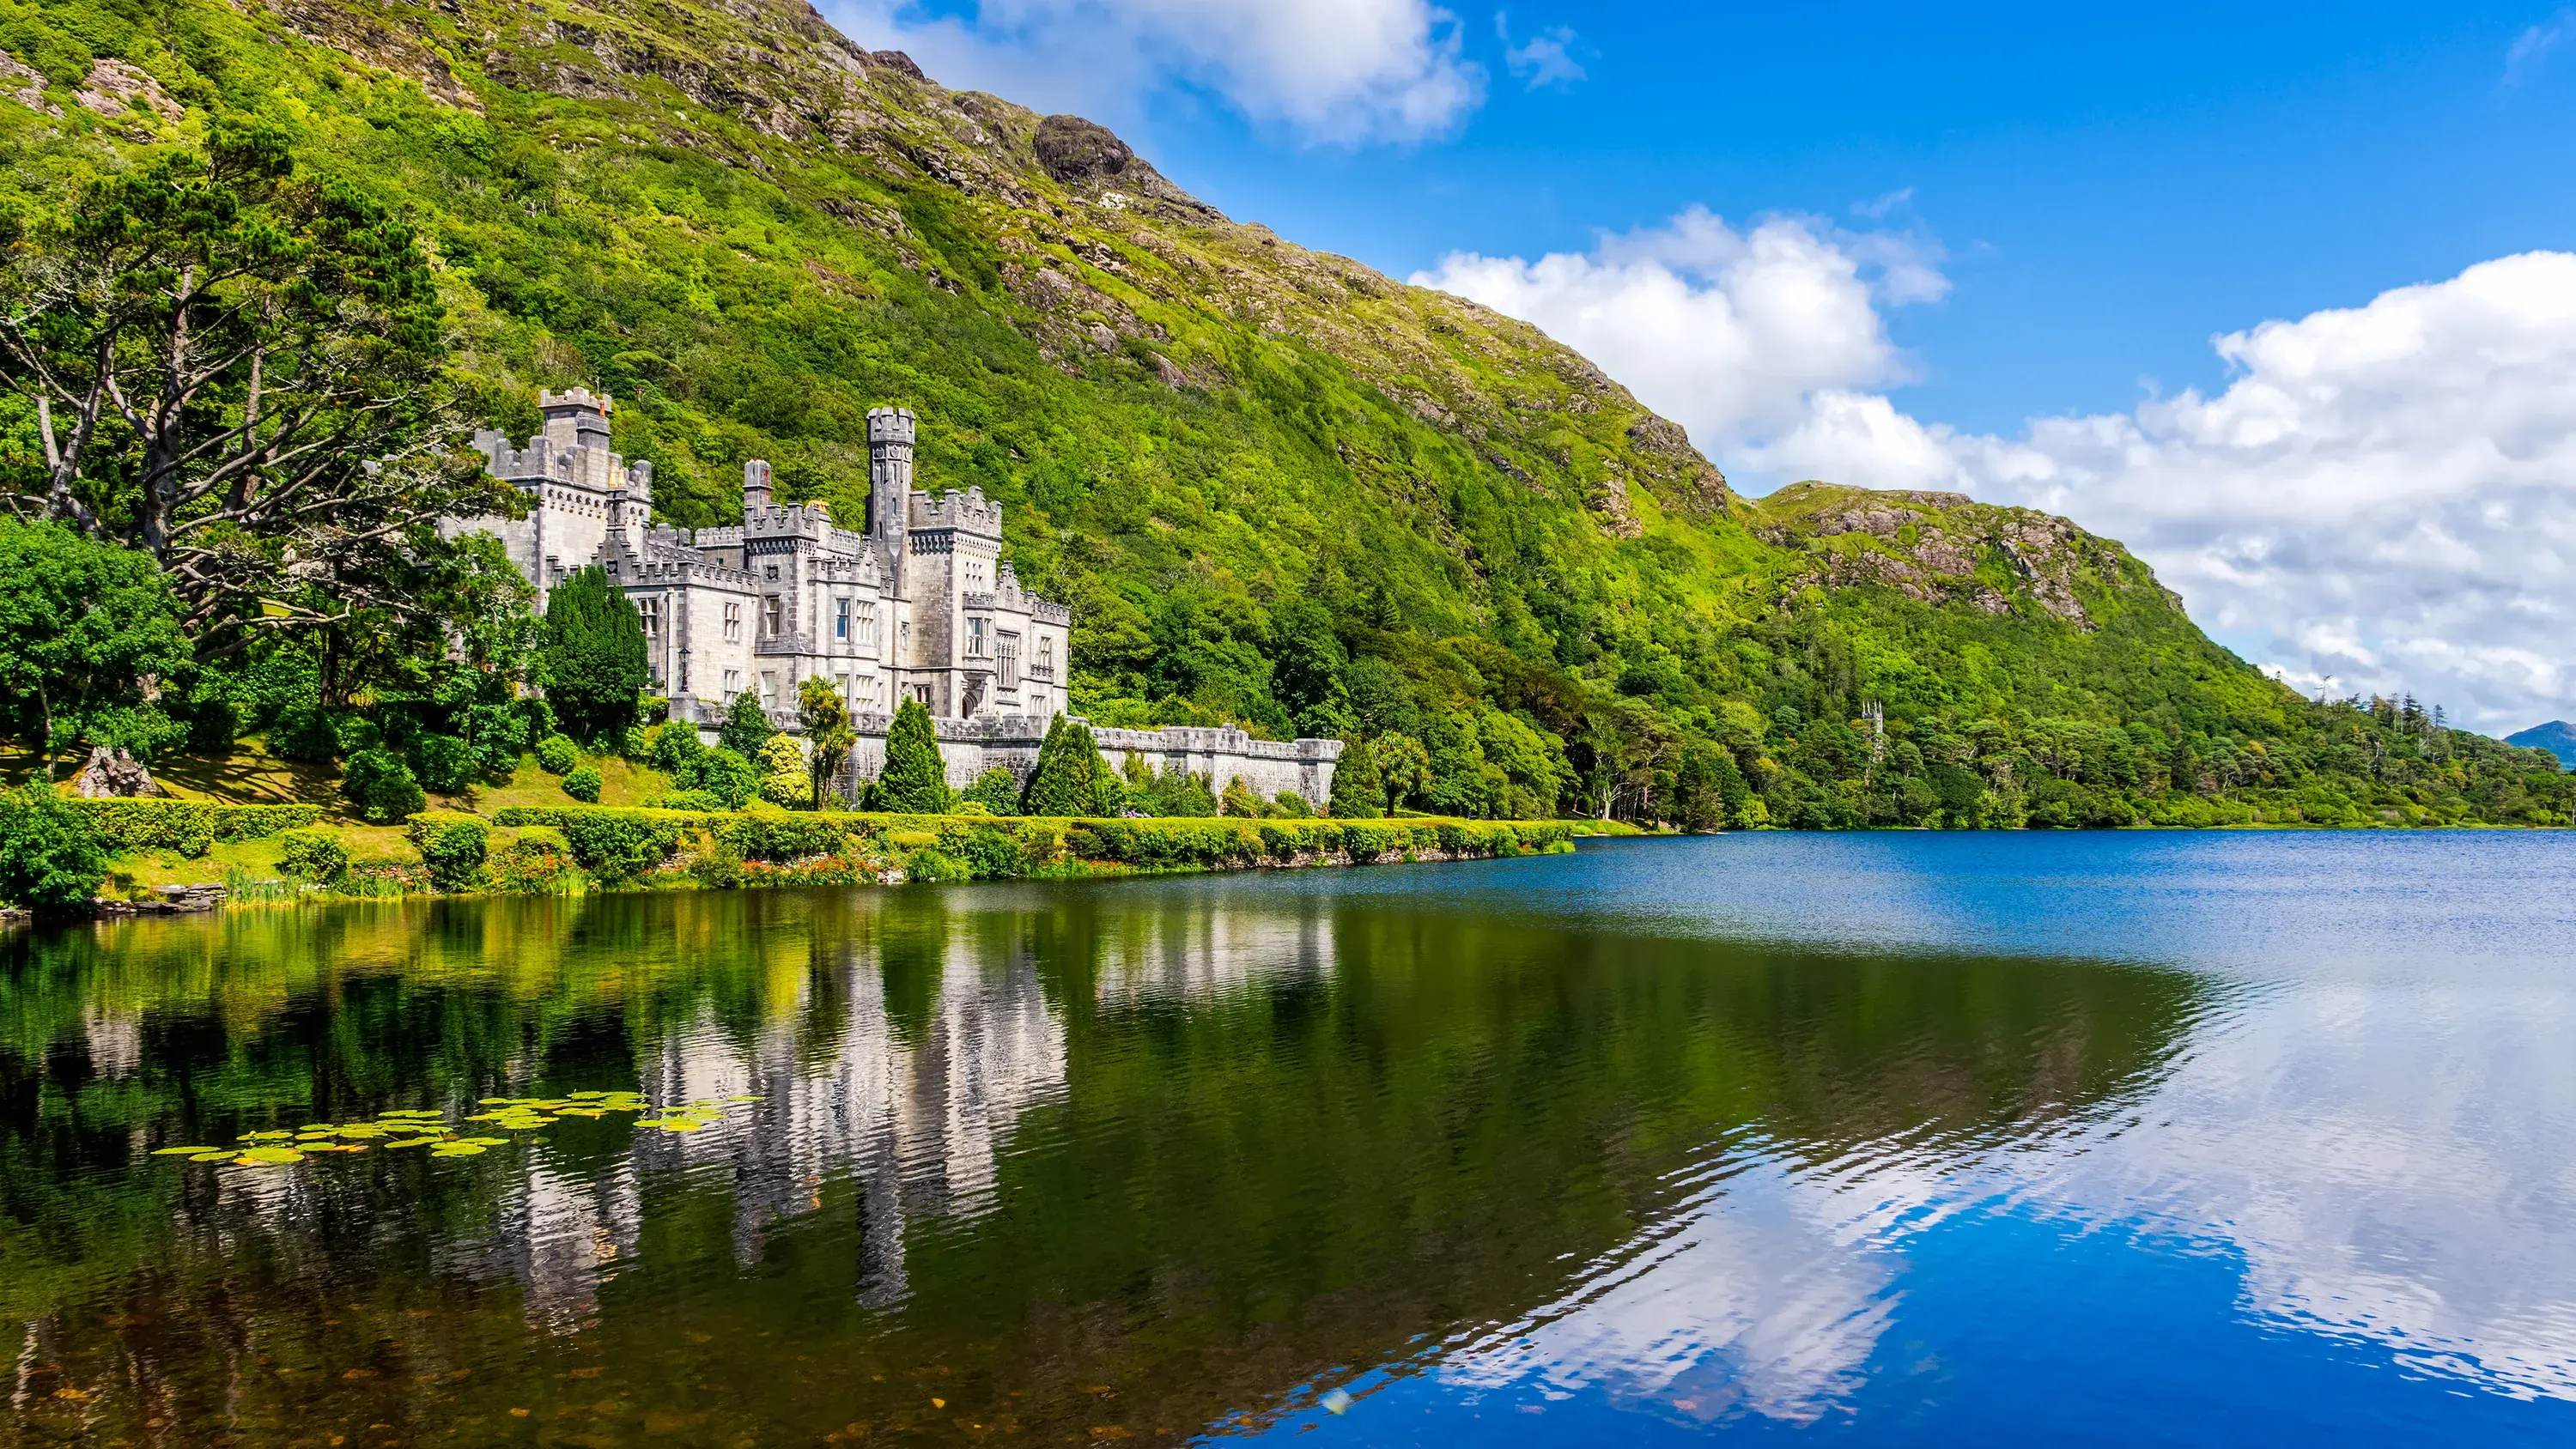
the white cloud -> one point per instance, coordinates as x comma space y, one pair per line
1336, 71
2382, 499
1547, 59
1728, 332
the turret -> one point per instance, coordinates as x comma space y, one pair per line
575, 417
889, 470
755, 487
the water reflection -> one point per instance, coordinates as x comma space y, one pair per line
1152, 1159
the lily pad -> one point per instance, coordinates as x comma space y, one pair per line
415, 1142
221, 1155
272, 1156
459, 1149
189, 1151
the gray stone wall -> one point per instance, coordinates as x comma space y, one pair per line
969, 747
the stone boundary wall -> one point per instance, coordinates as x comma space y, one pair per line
969, 747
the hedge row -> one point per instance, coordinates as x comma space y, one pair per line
188, 826
622, 843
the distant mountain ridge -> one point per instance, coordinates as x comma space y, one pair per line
2558, 737
1276, 486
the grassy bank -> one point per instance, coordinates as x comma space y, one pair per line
285, 851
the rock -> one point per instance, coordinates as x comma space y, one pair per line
117, 776
115, 88
25, 84
1073, 149
898, 62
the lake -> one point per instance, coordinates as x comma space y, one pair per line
2119, 1138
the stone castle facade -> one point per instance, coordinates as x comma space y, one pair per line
918, 603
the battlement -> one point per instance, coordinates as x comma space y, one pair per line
573, 399
967, 512
890, 425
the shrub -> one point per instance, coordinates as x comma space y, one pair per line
675, 749
612, 844
583, 784
314, 855
444, 764
727, 776
633, 742
454, 844
771, 837
557, 754
51, 858
720, 867
1288, 804
782, 774
1359, 792
987, 852
929, 867
687, 800
380, 787
1238, 800
996, 791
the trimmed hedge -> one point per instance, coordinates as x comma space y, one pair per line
617, 843
187, 826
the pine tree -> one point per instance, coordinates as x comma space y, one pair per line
592, 659
915, 780
1358, 792
1066, 781
746, 726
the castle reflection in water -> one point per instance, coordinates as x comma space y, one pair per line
915, 1114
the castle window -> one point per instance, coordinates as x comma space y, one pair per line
773, 616
840, 618
868, 625
769, 689
841, 683
732, 633
612, 568
1008, 658
649, 610
773, 573
975, 638
733, 684
1044, 668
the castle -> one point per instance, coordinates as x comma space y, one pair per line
916, 604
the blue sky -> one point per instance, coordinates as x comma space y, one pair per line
2044, 219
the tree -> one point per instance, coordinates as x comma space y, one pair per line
996, 791
1405, 766
591, 660
783, 780
828, 736
50, 858
382, 787
1066, 780
87, 632
746, 726
915, 779
238, 369
1359, 792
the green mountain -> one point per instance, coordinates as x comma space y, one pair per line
1276, 486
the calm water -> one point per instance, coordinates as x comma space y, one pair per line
2107, 1138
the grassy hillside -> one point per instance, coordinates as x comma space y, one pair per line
1276, 486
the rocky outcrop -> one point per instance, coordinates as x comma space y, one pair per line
1946, 548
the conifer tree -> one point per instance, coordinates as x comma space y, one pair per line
1359, 793
1066, 781
915, 780
746, 726
592, 658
